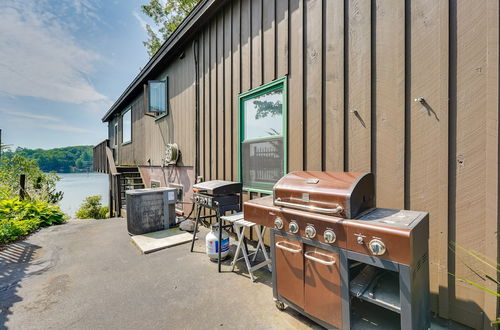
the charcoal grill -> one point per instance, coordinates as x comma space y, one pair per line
216, 196
332, 250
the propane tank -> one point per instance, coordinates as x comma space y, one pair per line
212, 243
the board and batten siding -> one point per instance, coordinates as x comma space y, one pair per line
150, 135
355, 69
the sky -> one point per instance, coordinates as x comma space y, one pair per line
63, 63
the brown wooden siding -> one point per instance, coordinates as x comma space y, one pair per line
354, 71
150, 136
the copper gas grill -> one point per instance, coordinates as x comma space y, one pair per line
333, 252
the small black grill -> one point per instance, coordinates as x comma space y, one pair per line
217, 196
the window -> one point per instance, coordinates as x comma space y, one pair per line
127, 126
115, 135
263, 136
157, 96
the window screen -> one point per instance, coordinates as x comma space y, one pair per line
262, 139
157, 96
127, 126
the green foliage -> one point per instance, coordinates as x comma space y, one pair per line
267, 109
19, 218
92, 208
167, 15
11, 230
62, 160
485, 270
39, 185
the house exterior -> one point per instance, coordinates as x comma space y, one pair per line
252, 89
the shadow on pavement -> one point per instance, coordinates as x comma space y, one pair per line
14, 262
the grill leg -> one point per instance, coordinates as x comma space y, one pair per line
198, 213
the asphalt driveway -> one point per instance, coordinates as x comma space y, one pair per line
86, 274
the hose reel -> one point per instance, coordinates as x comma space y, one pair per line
172, 154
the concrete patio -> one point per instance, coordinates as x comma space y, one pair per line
87, 274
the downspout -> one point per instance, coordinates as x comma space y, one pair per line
197, 111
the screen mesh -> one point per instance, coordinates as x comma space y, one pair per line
262, 162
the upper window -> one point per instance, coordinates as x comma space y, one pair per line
263, 136
157, 96
127, 126
115, 135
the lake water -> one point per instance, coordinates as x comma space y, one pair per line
78, 186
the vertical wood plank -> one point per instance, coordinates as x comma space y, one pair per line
296, 89
206, 101
471, 160
313, 74
201, 103
236, 88
428, 134
228, 122
359, 87
213, 102
492, 225
245, 46
390, 102
334, 86
220, 133
281, 25
256, 61
269, 43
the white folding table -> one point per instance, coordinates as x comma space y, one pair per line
240, 226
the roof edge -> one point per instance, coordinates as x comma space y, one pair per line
187, 25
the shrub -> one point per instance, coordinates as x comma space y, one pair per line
92, 208
19, 218
11, 230
39, 185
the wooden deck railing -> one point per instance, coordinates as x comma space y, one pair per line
101, 163
105, 163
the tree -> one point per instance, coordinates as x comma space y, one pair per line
167, 15
40, 186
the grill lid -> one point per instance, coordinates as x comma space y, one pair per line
218, 187
343, 194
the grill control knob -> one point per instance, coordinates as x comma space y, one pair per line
293, 227
329, 236
310, 231
278, 223
377, 247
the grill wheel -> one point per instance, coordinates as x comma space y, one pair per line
280, 305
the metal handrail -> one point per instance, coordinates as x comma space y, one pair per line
337, 209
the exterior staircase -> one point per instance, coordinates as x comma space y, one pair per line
130, 178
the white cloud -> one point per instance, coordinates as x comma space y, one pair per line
40, 58
141, 21
65, 128
34, 120
29, 115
